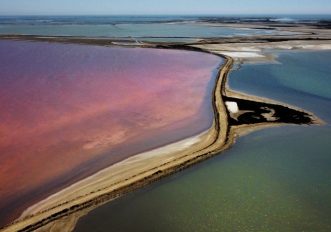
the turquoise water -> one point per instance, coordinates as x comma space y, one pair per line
272, 180
300, 78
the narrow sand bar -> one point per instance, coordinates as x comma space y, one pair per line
146, 167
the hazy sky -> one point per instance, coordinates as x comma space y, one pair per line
109, 7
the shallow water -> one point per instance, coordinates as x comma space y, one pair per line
139, 31
69, 111
169, 28
299, 78
276, 179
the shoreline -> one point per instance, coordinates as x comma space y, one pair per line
198, 148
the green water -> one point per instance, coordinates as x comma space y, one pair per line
272, 180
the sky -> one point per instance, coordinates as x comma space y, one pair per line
150, 7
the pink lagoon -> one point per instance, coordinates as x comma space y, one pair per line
69, 111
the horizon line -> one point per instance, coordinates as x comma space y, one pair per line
177, 14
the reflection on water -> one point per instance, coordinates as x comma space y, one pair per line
272, 180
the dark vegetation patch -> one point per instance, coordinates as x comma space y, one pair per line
252, 112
